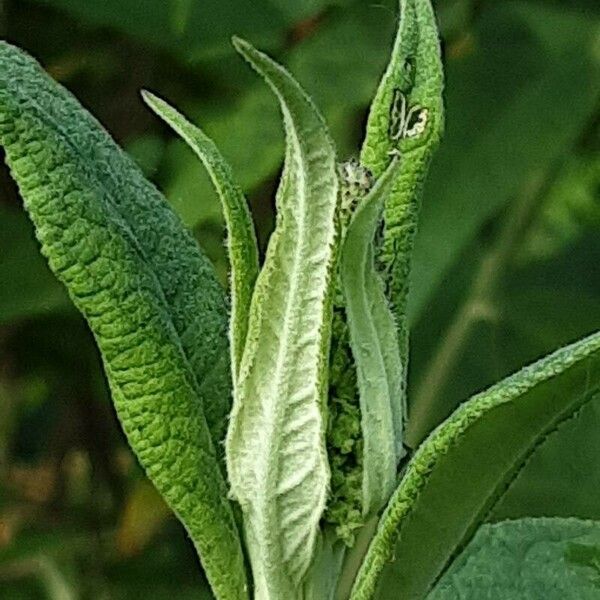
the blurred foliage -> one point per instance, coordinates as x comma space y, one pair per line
506, 266
556, 559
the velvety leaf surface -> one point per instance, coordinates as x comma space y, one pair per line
149, 295
241, 239
276, 456
411, 84
374, 348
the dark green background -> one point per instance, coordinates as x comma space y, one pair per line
507, 263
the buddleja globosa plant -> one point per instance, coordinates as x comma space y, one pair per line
274, 428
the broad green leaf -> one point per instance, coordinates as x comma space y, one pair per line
147, 292
464, 467
374, 348
530, 558
241, 239
413, 81
276, 456
537, 308
513, 108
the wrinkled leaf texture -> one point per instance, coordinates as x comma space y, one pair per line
149, 295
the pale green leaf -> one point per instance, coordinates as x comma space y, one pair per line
148, 293
241, 239
276, 456
374, 348
528, 558
466, 464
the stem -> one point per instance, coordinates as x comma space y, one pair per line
477, 305
354, 559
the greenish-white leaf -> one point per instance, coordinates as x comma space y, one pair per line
415, 71
276, 456
374, 348
464, 467
554, 559
149, 295
241, 239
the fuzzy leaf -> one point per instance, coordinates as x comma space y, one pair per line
375, 349
465, 466
149, 295
241, 239
276, 456
528, 558
415, 71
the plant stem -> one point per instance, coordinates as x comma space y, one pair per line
477, 305
354, 558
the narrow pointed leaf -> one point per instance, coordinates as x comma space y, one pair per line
466, 465
241, 239
276, 456
415, 71
149, 295
375, 349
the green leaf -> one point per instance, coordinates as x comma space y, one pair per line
530, 558
276, 456
241, 239
147, 292
413, 81
466, 464
374, 348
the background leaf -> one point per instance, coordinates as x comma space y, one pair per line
497, 134
458, 474
531, 558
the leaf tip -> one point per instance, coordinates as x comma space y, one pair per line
152, 100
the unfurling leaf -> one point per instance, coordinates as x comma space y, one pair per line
276, 456
375, 349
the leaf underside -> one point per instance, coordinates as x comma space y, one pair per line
465, 466
150, 297
375, 350
276, 456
